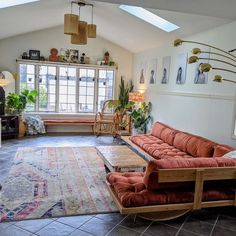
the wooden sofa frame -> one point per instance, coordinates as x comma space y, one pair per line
171, 211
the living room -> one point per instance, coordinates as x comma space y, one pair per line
124, 46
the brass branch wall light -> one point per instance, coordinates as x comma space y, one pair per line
78, 29
219, 55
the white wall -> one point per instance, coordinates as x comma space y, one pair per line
203, 109
43, 40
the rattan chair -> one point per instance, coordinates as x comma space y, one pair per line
105, 120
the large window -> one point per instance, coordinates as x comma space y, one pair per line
66, 88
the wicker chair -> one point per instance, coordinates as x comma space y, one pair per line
105, 120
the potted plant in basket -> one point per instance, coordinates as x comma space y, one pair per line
141, 117
16, 104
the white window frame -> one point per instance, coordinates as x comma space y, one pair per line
77, 66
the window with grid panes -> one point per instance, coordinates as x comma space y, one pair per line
47, 88
67, 88
86, 90
28, 80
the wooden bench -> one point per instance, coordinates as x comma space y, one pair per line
78, 121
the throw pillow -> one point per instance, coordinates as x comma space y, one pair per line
230, 154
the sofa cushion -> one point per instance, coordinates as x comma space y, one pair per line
151, 175
163, 150
141, 140
180, 141
135, 194
168, 135
221, 150
200, 147
157, 129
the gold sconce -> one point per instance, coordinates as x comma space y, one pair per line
228, 59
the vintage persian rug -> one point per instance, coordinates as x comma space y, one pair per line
55, 181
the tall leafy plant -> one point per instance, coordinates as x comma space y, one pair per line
16, 103
123, 103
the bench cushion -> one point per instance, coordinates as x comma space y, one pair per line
69, 121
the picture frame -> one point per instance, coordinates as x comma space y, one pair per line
142, 75
200, 77
153, 71
65, 55
166, 61
34, 54
181, 68
74, 56
69, 55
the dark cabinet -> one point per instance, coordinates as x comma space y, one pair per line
9, 126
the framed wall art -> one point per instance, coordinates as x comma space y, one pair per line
165, 69
181, 68
34, 54
153, 71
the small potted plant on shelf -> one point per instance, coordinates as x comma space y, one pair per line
16, 104
141, 117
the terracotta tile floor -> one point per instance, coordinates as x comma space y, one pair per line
212, 222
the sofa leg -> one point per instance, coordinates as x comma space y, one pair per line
163, 215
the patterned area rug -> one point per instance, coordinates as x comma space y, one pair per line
55, 181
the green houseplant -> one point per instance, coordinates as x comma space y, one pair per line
122, 103
16, 104
141, 117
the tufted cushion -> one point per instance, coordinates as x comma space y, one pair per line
135, 194
221, 150
157, 129
127, 177
168, 135
141, 140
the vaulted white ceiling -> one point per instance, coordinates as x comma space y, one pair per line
119, 27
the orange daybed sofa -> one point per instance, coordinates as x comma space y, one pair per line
184, 172
166, 142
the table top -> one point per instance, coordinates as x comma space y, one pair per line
120, 156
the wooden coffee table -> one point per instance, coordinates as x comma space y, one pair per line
121, 159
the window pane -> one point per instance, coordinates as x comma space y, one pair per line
105, 86
67, 89
47, 90
86, 90
27, 75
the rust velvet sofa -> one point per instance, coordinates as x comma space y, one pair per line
166, 142
184, 172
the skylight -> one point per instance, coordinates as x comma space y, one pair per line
11, 3
150, 17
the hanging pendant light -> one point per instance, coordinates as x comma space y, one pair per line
82, 36
71, 23
92, 29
